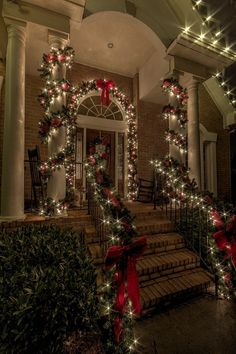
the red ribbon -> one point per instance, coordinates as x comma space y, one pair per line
224, 242
105, 86
129, 254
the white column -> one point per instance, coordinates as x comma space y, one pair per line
84, 159
211, 171
174, 151
194, 159
56, 188
125, 166
116, 160
12, 190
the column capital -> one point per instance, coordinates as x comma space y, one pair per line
57, 39
16, 28
192, 81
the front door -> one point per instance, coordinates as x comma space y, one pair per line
93, 134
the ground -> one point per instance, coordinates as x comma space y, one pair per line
201, 326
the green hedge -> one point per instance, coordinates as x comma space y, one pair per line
47, 289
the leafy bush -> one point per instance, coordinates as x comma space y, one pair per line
47, 289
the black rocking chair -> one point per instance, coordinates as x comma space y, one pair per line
145, 191
37, 187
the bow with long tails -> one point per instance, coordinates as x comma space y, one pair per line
126, 277
105, 86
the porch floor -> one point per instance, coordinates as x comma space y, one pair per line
202, 325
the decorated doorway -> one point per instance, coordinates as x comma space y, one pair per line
96, 121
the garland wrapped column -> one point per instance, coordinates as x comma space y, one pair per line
56, 189
194, 158
176, 113
57, 128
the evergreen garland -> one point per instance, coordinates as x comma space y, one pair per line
117, 325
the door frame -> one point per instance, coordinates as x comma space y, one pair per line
87, 122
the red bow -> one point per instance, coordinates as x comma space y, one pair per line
220, 239
115, 255
231, 251
217, 221
105, 86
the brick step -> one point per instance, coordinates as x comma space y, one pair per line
90, 234
148, 214
145, 209
146, 227
170, 262
158, 243
153, 226
175, 286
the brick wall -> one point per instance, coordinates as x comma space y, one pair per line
212, 119
151, 144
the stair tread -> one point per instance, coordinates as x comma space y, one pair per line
156, 243
165, 239
152, 221
185, 281
170, 255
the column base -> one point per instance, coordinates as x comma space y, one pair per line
12, 218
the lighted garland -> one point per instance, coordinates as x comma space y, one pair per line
173, 87
56, 57
52, 121
117, 311
171, 112
132, 145
177, 139
179, 188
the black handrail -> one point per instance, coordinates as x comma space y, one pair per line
189, 219
98, 216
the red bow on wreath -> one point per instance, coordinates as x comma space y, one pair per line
105, 86
126, 276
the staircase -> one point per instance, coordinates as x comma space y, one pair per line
168, 271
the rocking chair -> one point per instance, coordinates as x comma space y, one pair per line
37, 186
145, 191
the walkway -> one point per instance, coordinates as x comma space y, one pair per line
201, 326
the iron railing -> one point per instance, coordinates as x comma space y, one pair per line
102, 227
190, 219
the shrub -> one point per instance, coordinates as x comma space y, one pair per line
47, 289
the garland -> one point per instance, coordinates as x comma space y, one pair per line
181, 189
56, 57
132, 145
173, 87
120, 259
170, 112
52, 121
177, 139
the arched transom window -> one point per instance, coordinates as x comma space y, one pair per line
91, 106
